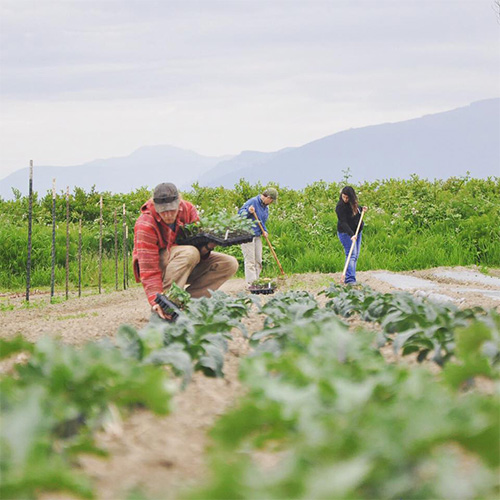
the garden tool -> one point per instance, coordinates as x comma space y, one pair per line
342, 279
269, 243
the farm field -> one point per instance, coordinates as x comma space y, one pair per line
410, 224
159, 456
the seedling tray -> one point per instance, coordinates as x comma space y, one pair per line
168, 307
262, 291
201, 239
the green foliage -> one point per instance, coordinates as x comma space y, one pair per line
321, 401
411, 224
178, 295
411, 323
264, 283
17, 344
53, 404
219, 224
196, 341
339, 422
477, 351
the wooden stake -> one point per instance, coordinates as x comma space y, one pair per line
30, 224
124, 249
53, 269
80, 259
100, 244
116, 251
67, 242
126, 253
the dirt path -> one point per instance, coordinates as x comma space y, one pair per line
162, 455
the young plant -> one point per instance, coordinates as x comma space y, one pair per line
414, 325
339, 422
178, 296
220, 224
197, 340
263, 283
55, 402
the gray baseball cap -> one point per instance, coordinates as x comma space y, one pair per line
271, 193
166, 197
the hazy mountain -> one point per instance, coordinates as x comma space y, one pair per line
433, 146
441, 145
147, 166
231, 166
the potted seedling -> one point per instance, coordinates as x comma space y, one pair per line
263, 286
173, 302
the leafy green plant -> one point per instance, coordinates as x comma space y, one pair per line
411, 323
477, 351
222, 225
197, 340
179, 296
52, 405
288, 307
339, 422
263, 283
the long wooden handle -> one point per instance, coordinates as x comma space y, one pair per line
352, 248
269, 243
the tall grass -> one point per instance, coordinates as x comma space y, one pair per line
410, 224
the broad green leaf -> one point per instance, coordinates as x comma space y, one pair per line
128, 341
17, 344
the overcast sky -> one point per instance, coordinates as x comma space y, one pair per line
87, 79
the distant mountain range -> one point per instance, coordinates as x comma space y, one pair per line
441, 145
147, 166
437, 146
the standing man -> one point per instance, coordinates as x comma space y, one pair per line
158, 261
252, 252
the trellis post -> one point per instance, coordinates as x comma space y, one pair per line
30, 225
67, 242
126, 264
53, 268
80, 259
124, 249
116, 251
100, 244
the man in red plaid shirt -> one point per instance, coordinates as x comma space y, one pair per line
158, 261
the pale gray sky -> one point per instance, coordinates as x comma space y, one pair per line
87, 79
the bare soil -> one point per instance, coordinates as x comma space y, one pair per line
162, 455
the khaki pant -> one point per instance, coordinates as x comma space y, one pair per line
184, 266
252, 253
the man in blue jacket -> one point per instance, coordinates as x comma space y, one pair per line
252, 252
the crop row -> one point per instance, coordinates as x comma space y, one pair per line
54, 402
416, 325
330, 418
320, 399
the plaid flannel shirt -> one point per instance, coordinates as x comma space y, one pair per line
151, 235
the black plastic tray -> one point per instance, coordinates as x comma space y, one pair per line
262, 291
201, 239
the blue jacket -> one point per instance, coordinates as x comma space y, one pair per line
261, 211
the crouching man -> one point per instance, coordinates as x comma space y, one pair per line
158, 261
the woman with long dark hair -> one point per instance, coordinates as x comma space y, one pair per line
349, 215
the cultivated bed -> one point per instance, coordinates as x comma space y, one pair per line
164, 454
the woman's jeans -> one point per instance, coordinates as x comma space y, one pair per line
345, 239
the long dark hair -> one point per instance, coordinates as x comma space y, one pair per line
353, 199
